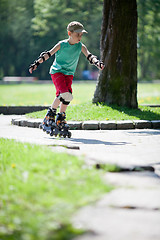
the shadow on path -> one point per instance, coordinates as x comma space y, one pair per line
145, 133
95, 141
89, 141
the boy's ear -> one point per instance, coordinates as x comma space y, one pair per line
69, 33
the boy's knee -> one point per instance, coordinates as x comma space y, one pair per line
65, 97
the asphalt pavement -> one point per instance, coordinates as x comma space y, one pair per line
132, 209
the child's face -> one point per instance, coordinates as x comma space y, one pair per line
75, 37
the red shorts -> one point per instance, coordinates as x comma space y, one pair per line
62, 82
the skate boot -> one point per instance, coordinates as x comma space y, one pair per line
62, 126
49, 121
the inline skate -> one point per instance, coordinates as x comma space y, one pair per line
61, 127
49, 121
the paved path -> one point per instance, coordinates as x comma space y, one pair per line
132, 209
138, 146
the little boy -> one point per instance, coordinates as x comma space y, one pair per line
67, 54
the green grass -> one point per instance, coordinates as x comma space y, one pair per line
148, 93
41, 189
25, 94
89, 111
43, 94
81, 108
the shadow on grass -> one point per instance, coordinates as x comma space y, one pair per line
143, 113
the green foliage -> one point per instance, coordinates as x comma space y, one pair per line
16, 36
28, 27
149, 39
52, 17
34, 26
41, 189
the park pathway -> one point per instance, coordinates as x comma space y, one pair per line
132, 209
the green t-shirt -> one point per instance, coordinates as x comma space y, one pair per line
66, 59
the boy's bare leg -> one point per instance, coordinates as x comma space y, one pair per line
63, 107
55, 103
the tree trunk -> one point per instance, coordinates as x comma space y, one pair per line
117, 83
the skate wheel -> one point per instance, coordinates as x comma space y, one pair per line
51, 134
40, 126
69, 134
47, 132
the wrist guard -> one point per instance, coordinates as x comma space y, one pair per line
41, 56
97, 63
90, 58
36, 63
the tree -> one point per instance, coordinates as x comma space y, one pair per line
117, 83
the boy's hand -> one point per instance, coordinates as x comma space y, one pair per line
99, 64
33, 66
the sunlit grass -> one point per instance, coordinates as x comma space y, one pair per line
149, 93
43, 94
81, 107
89, 111
40, 190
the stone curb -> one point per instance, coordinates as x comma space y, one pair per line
94, 125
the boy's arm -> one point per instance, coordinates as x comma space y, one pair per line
43, 57
91, 58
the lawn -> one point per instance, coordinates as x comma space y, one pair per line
81, 107
149, 93
89, 111
43, 94
41, 189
